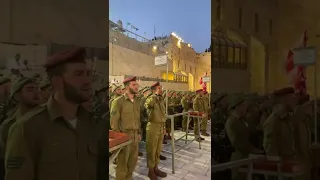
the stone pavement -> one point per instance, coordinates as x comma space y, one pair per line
191, 163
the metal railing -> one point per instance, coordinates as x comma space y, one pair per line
250, 170
196, 135
235, 164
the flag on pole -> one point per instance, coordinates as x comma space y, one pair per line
203, 84
297, 73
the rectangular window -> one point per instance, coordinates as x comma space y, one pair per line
240, 17
256, 22
270, 27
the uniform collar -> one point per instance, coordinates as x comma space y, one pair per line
55, 112
126, 97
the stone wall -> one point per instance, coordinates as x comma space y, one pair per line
76, 22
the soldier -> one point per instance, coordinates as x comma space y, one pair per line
116, 92
144, 116
266, 109
204, 122
125, 118
278, 128
4, 84
253, 117
26, 99
177, 109
45, 90
60, 140
199, 106
171, 110
186, 107
4, 94
100, 105
24, 92
302, 120
155, 130
238, 132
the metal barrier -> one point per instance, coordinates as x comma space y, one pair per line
173, 151
250, 170
235, 164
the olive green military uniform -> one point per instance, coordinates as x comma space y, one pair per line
204, 121
144, 115
44, 146
125, 117
171, 110
3, 105
266, 109
156, 124
238, 132
113, 96
198, 105
186, 107
302, 122
16, 86
176, 105
279, 134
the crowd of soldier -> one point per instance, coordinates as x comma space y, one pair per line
277, 124
151, 125
52, 129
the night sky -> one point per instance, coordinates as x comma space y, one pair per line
189, 19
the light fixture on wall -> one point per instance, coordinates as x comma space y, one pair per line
154, 47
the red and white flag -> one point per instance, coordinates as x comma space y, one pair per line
203, 84
297, 73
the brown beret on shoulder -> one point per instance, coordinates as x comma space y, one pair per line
129, 79
70, 56
283, 91
199, 90
155, 85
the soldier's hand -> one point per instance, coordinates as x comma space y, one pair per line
139, 138
204, 115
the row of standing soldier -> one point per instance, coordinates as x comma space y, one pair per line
154, 127
178, 102
278, 124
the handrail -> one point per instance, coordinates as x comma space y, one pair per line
232, 164
171, 117
180, 114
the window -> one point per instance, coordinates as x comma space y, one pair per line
240, 17
270, 27
218, 9
256, 22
